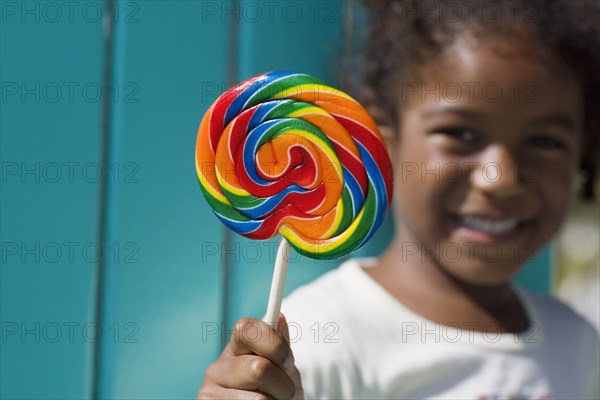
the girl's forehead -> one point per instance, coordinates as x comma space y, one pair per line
485, 74
496, 58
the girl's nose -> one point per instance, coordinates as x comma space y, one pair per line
497, 172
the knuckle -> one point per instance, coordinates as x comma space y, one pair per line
246, 330
206, 393
260, 368
242, 322
210, 373
201, 394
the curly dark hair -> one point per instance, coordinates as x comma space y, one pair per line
405, 33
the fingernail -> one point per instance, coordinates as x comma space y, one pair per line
289, 361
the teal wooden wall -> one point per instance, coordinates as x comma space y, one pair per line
99, 114
50, 122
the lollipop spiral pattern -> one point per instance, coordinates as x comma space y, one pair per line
285, 153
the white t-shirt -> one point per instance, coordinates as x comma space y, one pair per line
352, 340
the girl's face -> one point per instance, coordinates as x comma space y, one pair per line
485, 162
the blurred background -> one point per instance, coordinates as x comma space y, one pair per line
117, 281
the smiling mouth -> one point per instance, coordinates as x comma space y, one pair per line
487, 225
484, 229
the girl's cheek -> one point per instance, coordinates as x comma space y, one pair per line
553, 173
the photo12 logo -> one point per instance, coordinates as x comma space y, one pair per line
67, 332
249, 252
68, 172
53, 12
252, 331
328, 12
68, 92
68, 252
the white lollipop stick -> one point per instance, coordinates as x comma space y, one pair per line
278, 283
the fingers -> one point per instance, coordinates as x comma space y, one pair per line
257, 363
252, 373
251, 336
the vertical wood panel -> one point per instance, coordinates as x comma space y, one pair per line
50, 120
174, 59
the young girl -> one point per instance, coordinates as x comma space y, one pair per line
489, 108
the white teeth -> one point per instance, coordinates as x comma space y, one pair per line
487, 225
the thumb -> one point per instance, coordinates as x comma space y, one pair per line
282, 327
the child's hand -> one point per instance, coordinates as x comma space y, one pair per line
257, 363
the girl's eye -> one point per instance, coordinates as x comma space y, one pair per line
462, 134
548, 142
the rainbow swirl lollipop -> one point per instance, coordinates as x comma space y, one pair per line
285, 153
